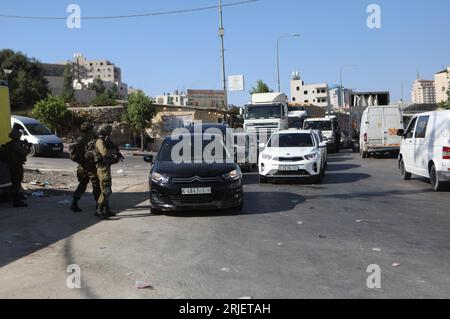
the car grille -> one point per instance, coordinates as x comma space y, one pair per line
196, 179
289, 159
191, 199
293, 173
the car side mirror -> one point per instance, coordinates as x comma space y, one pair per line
149, 159
401, 133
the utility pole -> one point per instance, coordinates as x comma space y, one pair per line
222, 35
278, 57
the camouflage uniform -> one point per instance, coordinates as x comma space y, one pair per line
87, 171
16, 153
105, 158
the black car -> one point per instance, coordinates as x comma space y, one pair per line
192, 180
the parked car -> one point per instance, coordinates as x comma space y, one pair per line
192, 182
379, 127
425, 148
321, 140
43, 141
346, 140
291, 154
330, 128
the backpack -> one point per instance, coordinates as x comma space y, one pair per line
77, 151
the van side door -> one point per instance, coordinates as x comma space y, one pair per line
422, 153
407, 147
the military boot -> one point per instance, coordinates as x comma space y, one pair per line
74, 207
109, 212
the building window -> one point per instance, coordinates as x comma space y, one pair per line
293, 99
298, 88
305, 92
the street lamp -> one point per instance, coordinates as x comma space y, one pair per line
342, 87
278, 55
7, 73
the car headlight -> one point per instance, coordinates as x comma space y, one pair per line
233, 175
266, 156
42, 143
159, 178
311, 157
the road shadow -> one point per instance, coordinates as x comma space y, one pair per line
344, 178
46, 221
256, 203
333, 158
341, 167
384, 156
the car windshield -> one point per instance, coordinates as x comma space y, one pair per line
38, 129
263, 112
291, 140
319, 125
185, 150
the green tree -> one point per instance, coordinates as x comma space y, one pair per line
446, 104
98, 86
261, 87
68, 90
140, 113
103, 99
27, 83
53, 112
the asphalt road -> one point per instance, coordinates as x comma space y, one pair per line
291, 241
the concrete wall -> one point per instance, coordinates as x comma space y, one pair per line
100, 115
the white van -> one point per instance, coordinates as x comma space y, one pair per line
379, 127
425, 148
43, 141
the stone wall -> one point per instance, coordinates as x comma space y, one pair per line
100, 115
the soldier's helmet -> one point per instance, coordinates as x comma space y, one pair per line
87, 127
104, 130
15, 134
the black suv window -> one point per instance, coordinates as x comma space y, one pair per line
410, 131
422, 125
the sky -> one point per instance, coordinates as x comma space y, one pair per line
161, 54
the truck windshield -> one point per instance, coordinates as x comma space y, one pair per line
253, 112
291, 140
319, 125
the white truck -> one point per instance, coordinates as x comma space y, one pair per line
379, 127
267, 114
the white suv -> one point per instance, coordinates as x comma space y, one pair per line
291, 154
425, 148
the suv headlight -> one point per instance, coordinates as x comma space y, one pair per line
266, 157
311, 157
159, 178
233, 175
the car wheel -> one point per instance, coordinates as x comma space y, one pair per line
317, 179
406, 175
364, 154
436, 184
262, 179
33, 152
155, 211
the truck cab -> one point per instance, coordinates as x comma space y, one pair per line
329, 126
266, 114
5, 128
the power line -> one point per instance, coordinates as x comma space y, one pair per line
150, 14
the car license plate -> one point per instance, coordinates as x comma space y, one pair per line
288, 168
196, 191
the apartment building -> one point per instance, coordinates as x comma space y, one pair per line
442, 85
423, 92
336, 98
309, 94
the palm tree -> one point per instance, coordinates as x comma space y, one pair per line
261, 87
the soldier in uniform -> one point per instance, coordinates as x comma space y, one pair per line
106, 156
16, 153
87, 170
